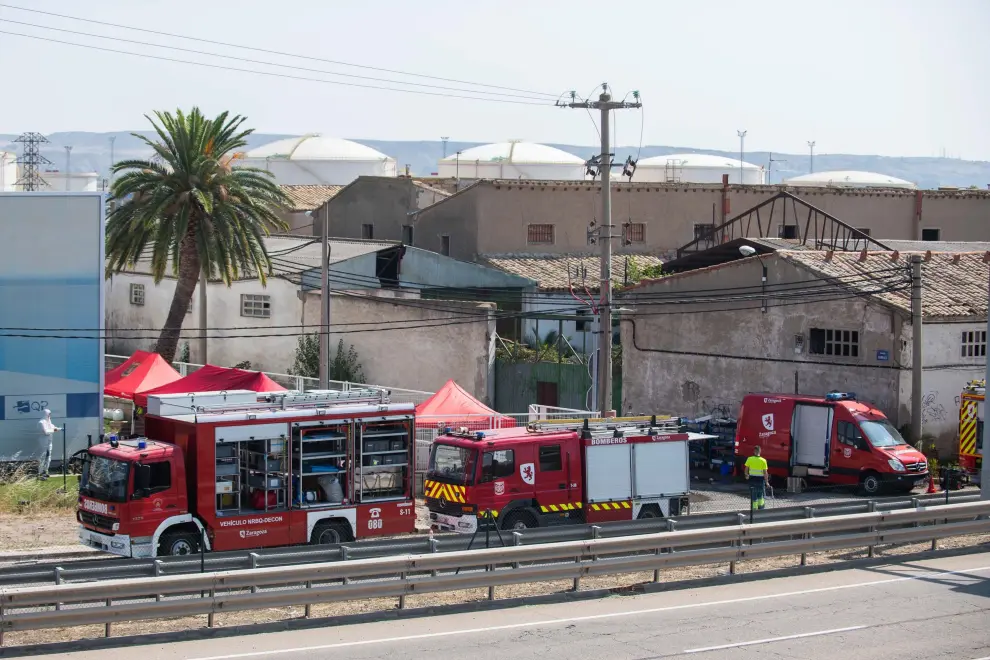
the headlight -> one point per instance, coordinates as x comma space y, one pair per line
896, 465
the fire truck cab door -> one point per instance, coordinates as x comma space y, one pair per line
557, 474
155, 494
504, 475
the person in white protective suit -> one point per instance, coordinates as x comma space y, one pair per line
48, 430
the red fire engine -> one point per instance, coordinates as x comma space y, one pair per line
552, 474
240, 470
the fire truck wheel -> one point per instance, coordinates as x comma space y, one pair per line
178, 544
519, 521
650, 511
331, 533
871, 483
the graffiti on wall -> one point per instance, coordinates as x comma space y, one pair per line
932, 410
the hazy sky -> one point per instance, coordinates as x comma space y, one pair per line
902, 77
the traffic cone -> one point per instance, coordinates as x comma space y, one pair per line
931, 484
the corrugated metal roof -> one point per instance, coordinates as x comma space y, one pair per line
551, 271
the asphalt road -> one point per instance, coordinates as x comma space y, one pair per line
936, 608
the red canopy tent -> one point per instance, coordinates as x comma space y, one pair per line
453, 406
141, 372
211, 378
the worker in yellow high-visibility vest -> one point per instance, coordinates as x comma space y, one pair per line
757, 475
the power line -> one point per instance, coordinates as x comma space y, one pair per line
275, 64
268, 73
274, 52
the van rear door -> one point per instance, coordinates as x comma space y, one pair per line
811, 432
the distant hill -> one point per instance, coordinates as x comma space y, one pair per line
91, 153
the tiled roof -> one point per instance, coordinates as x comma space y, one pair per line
309, 198
292, 254
432, 189
892, 243
551, 270
954, 285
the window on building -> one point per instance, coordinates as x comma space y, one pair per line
255, 305
137, 294
788, 231
974, 343
636, 232
863, 230
407, 234
582, 324
550, 458
445, 245
367, 232
497, 465
931, 234
836, 343
702, 231
161, 476
539, 234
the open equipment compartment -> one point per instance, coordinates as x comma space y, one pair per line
251, 469
384, 464
321, 455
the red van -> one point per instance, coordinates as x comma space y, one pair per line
831, 439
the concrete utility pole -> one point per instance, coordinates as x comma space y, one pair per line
605, 104
811, 146
916, 359
325, 304
113, 138
985, 452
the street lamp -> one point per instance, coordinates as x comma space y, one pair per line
811, 146
750, 251
444, 139
742, 151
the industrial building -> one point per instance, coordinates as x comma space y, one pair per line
697, 168
51, 274
825, 320
317, 160
513, 160
848, 179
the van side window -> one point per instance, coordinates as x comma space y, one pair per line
550, 458
497, 465
850, 435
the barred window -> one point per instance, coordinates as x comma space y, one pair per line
137, 294
836, 343
636, 232
539, 234
255, 305
974, 343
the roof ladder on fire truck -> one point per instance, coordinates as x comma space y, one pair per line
310, 399
660, 422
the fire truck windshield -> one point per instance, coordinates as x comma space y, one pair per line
881, 433
105, 479
452, 464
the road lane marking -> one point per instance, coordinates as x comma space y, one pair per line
770, 640
590, 617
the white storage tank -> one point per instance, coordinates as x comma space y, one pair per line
848, 179
8, 171
696, 168
513, 160
317, 160
78, 181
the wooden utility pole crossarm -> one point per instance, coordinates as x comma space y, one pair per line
604, 236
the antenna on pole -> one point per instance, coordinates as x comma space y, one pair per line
30, 160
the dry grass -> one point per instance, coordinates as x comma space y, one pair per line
22, 492
617, 582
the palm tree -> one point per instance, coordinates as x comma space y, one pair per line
192, 211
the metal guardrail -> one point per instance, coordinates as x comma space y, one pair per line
70, 605
55, 572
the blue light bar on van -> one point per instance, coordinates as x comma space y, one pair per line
480, 435
447, 430
840, 396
